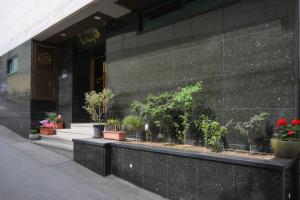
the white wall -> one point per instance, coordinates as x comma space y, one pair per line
21, 20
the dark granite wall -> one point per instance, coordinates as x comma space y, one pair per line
15, 91
176, 177
65, 81
244, 53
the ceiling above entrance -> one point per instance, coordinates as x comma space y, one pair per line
96, 20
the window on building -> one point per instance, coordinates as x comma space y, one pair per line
171, 11
12, 65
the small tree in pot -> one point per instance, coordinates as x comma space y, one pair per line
132, 123
96, 104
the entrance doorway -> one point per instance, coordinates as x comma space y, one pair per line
89, 75
97, 69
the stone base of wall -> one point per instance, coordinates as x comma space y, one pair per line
178, 174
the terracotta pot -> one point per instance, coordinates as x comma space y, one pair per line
285, 149
114, 135
47, 131
59, 125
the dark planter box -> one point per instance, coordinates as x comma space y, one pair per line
187, 175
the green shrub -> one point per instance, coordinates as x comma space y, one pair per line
254, 129
212, 132
170, 112
132, 123
51, 116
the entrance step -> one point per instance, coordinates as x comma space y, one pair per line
77, 131
62, 142
79, 128
60, 148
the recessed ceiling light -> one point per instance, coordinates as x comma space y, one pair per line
97, 17
63, 35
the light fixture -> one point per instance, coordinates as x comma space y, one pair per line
96, 17
63, 35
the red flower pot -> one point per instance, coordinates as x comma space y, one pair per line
47, 131
114, 135
58, 125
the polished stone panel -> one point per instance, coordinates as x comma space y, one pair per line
80, 153
183, 175
250, 181
65, 82
156, 173
133, 166
244, 53
117, 157
15, 91
215, 180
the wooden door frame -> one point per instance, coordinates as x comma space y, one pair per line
34, 74
92, 72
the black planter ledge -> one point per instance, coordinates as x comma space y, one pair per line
178, 174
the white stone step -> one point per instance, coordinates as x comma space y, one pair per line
82, 131
82, 125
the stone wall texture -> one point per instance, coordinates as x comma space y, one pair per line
244, 53
15, 91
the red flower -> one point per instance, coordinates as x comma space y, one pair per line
281, 122
295, 122
290, 132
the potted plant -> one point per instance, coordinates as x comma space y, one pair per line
34, 135
47, 127
96, 104
59, 122
286, 142
113, 130
253, 129
56, 119
132, 123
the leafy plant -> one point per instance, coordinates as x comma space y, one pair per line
182, 102
34, 132
51, 116
113, 125
252, 129
96, 104
132, 123
212, 132
169, 112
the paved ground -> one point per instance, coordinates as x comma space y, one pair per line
30, 172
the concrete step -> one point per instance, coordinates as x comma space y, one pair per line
60, 148
81, 131
56, 145
82, 125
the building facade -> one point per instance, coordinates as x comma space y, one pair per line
245, 52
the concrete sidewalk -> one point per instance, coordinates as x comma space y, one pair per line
30, 172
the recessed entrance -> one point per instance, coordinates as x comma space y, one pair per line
89, 75
81, 64
97, 69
